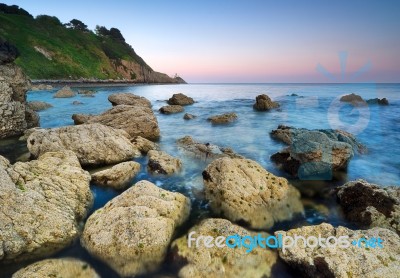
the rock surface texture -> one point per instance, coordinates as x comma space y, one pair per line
353, 99
180, 99
118, 176
171, 109
162, 163
128, 99
132, 232
264, 103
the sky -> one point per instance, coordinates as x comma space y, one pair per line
250, 41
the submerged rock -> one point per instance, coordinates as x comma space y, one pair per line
65, 268
132, 232
144, 145
188, 116
371, 205
171, 109
94, 144
135, 120
118, 176
221, 262
382, 101
42, 204
86, 93
39, 105
162, 163
353, 99
243, 191
264, 103
76, 102
128, 99
180, 99
64, 92
353, 261
223, 118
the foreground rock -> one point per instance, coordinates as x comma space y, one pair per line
162, 163
353, 99
42, 205
132, 232
221, 262
144, 145
64, 92
135, 120
223, 118
204, 151
128, 99
65, 268
188, 116
382, 101
171, 109
93, 144
118, 176
180, 99
242, 191
371, 205
264, 103
39, 105
315, 154
353, 261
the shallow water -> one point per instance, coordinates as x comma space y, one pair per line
316, 106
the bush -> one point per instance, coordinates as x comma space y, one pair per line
13, 9
48, 20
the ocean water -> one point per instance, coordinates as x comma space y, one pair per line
312, 106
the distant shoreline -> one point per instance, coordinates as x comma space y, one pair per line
93, 83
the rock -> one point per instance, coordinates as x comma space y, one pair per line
242, 191
39, 105
221, 262
43, 203
162, 163
118, 176
315, 154
204, 151
223, 119
64, 92
65, 268
76, 102
371, 205
180, 99
135, 120
128, 99
353, 261
94, 144
144, 145
188, 116
41, 87
86, 93
8, 52
353, 99
294, 95
132, 232
264, 103
15, 115
382, 101
171, 109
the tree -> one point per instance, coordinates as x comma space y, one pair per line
48, 20
13, 9
102, 31
115, 34
77, 25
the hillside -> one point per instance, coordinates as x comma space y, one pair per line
52, 50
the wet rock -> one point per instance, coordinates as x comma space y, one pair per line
162, 163
353, 99
221, 262
64, 92
371, 205
242, 191
42, 205
144, 145
171, 109
94, 144
264, 103
353, 261
135, 120
65, 268
118, 176
223, 118
39, 105
132, 232
382, 101
180, 99
188, 116
128, 99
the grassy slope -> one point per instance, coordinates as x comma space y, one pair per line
75, 54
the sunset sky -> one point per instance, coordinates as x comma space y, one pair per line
249, 41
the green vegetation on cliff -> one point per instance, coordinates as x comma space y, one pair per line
52, 50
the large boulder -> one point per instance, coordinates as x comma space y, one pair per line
94, 144
132, 232
135, 120
171, 109
371, 205
65, 268
64, 92
243, 191
356, 260
225, 118
264, 103
43, 203
118, 176
180, 99
39, 105
353, 99
128, 99
201, 261
315, 154
162, 163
